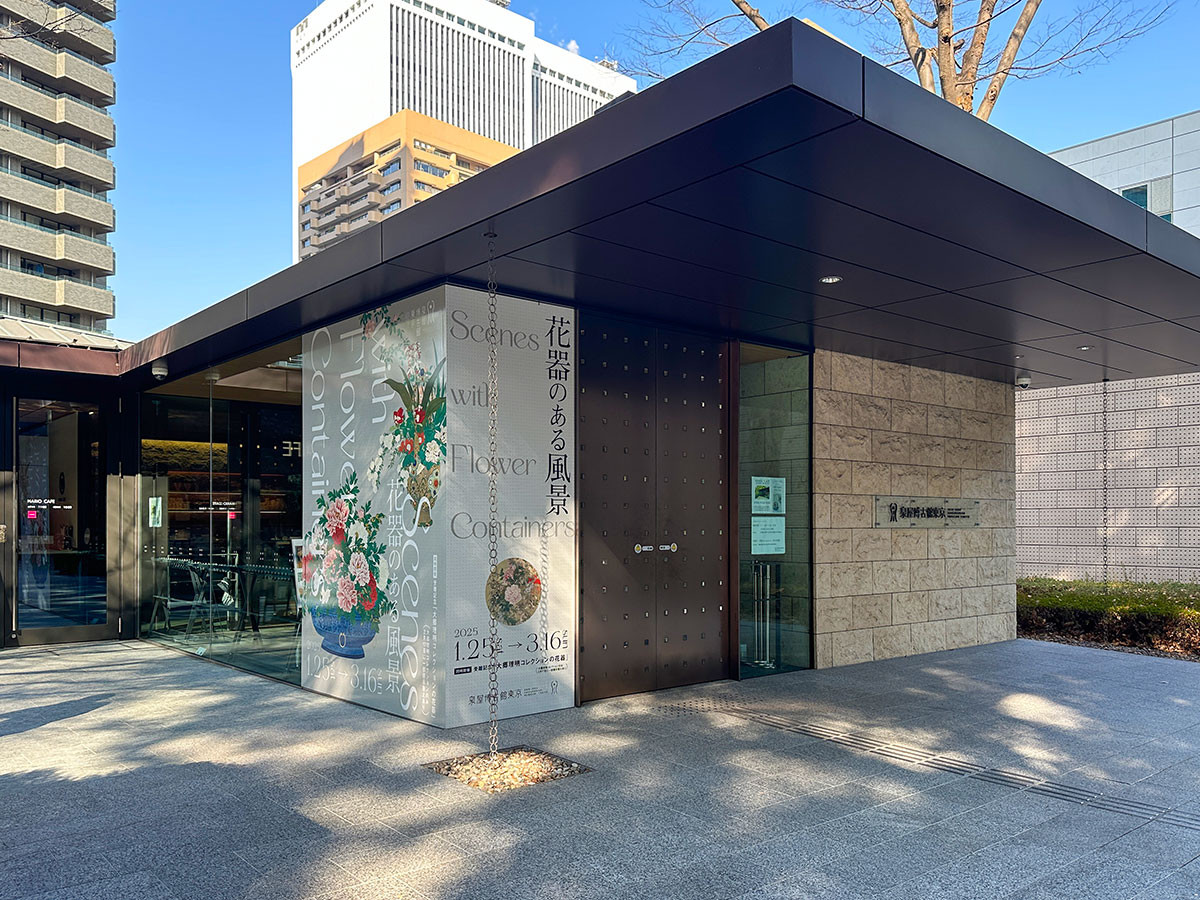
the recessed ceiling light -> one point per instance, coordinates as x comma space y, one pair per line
1084, 347
830, 279
1018, 356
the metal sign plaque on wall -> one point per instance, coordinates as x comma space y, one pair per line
926, 512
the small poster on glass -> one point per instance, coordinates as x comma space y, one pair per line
298, 568
768, 496
156, 512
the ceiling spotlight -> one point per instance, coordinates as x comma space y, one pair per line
830, 279
1084, 347
1018, 356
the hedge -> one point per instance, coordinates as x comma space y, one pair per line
1161, 616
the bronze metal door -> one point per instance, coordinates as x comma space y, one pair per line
654, 607
692, 543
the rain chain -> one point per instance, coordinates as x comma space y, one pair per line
493, 339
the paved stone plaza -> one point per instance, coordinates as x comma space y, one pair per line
132, 772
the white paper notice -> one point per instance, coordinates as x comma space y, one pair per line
767, 535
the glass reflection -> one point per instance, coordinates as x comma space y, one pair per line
774, 465
221, 482
61, 578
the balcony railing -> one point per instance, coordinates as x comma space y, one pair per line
49, 140
53, 49
48, 277
95, 195
66, 231
48, 93
79, 12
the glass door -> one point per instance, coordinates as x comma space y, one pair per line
773, 511
59, 524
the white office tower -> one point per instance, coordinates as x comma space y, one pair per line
470, 63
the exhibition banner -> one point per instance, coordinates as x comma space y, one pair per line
397, 588
533, 595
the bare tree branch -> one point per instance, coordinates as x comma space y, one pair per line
1008, 56
46, 30
971, 59
677, 32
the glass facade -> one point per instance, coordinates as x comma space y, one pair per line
61, 512
774, 509
221, 483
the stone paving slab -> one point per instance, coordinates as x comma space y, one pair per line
129, 771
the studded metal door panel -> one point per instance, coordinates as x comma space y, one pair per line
691, 543
616, 427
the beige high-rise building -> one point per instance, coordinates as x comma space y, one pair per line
55, 171
406, 158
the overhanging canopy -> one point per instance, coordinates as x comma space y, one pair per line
718, 199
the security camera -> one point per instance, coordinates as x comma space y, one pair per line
1023, 382
159, 370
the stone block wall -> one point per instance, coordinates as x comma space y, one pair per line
891, 429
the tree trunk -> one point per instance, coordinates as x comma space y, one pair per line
752, 14
1007, 58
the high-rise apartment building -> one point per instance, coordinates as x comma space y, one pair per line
55, 172
472, 64
391, 166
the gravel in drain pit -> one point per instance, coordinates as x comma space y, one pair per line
513, 767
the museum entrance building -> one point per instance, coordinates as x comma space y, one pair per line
745, 396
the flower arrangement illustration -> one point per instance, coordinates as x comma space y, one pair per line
513, 591
416, 440
345, 571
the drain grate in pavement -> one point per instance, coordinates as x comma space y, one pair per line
697, 706
1016, 780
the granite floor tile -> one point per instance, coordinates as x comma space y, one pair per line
300, 797
1096, 876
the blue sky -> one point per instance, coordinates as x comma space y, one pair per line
203, 130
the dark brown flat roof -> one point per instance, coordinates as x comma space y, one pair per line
718, 199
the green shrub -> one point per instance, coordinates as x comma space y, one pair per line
1162, 616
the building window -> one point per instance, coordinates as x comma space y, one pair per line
429, 148
307, 242
391, 168
390, 189
1139, 195
429, 168
306, 227
391, 207
1154, 196
307, 208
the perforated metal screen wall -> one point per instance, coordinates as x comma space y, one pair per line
1153, 485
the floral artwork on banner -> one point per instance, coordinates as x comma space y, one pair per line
513, 591
416, 441
345, 571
